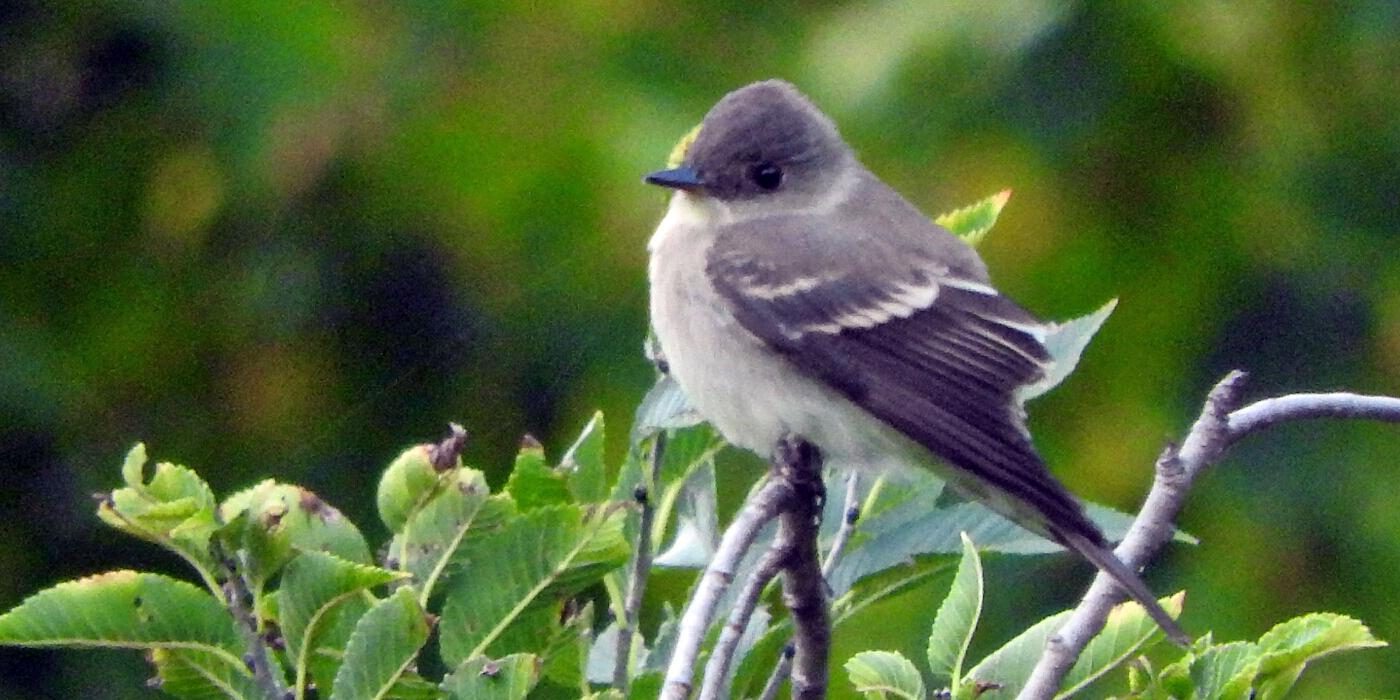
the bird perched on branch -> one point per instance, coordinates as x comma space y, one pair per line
793, 292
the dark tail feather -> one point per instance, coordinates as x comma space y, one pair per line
1103, 558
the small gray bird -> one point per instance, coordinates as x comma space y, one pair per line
794, 292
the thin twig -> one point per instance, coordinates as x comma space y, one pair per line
764, 505
258, 657
850, 513
641, 567
716, 682
1270, 412
1218, 428
780, 674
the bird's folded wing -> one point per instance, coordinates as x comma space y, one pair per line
937, 354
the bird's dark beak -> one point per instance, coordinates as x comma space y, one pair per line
682, 178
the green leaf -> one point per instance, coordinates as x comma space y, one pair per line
664, 643
197, 675
695, 504
881, 674
1290, 646
405, 485
407, 482
126, 610
1226, 672
1126, 630
532, 483
565, 656
1066, 342
532, 563
433, 538
647, 686
957, 618
319, 591
385, 643
971, 223
175, 510
134, 466
411, 686
583, 462
271, 522
508, 678
919, 521
665, 406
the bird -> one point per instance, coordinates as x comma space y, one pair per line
792, 292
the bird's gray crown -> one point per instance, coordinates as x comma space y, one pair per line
766, 138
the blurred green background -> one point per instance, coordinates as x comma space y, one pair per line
288, 239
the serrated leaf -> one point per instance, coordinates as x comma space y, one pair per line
1226, 672
971, 223
1127, 629
196, 675
1010, 666
319, 590
1290, 646
385, 643
174, 509
882, 674
134, 466
270, 522
406, 483
125, 610
532, 483
508, 678
956, 619
531, 563
583, 462
460, 510
1066, 342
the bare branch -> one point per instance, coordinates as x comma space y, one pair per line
716, 682
1176, 469
1218, 428
1271, 412
764, 505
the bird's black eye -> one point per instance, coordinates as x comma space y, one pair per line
766, 175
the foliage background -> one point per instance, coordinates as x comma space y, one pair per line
287, 239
